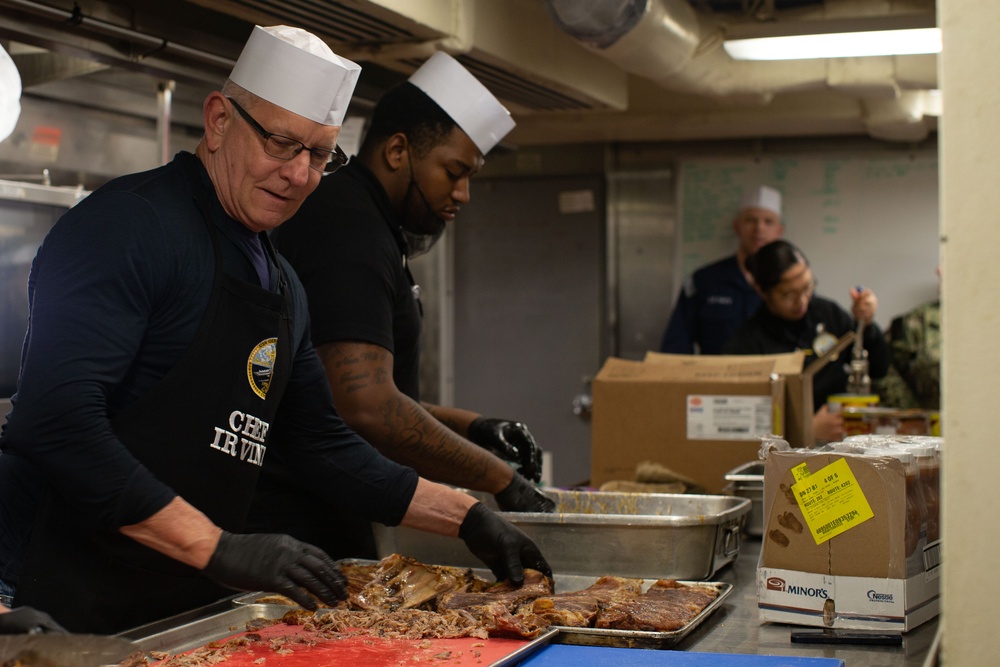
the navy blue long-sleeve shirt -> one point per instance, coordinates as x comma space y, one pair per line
116, 294
714, 302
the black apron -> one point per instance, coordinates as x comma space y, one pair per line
203, 431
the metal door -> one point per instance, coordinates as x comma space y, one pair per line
528, 286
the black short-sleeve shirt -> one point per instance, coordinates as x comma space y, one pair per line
346, 246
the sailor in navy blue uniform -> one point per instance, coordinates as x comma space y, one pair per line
717, 298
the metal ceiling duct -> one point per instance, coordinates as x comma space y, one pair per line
679, 48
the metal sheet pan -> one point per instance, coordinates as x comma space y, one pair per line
640, 535
196, 632
181, 634
747, 481
634, 638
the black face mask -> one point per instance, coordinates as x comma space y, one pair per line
421, 227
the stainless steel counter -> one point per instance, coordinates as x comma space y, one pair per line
736, 627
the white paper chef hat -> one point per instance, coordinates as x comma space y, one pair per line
297, 71
464, 99
763, 197
10, 94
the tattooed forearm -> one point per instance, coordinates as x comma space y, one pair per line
364, 393
419, 440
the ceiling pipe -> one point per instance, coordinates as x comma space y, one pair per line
669, 43
672, 45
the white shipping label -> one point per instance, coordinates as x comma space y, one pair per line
728, 417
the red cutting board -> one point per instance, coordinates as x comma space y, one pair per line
353, 650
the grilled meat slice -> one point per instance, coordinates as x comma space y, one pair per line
579, 609
667, 606
399, 582
535, 584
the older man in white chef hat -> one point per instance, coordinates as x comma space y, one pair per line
717, 298
168, 362
351, 243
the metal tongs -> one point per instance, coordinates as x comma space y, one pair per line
858, 380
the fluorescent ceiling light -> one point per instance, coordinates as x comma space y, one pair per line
837, 45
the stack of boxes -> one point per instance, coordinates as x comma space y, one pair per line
850, 534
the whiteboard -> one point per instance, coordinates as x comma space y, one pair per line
861, 220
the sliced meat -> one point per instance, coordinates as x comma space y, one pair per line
535, 585
694, 598
667, 606
404, 583
498, 621
571, 610
579, 609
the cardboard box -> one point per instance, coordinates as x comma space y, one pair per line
700, 416
868, 577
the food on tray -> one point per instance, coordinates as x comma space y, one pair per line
580, 609
665, 607
379, 593
611, 603
404, 638
397, 582
535, 584
401, 599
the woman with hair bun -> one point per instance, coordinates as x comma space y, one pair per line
793, 317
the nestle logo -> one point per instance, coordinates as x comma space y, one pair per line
874, 596
775, 584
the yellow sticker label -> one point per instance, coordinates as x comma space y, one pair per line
831, 501
801, 471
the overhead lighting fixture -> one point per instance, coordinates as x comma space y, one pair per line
835, 38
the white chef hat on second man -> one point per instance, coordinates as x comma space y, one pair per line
464, 99
297, 71
763, 197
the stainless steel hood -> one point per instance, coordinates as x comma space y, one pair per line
664, 78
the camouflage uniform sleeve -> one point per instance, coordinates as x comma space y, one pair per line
914, 380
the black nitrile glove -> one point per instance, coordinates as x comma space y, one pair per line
511, 441
28, 620
523, 496
277, 564
504, 548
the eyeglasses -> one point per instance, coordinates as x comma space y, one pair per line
286, 148
797, 295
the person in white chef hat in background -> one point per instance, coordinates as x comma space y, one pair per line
168, 362
351, 243
718, 298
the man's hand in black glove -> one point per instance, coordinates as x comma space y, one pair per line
277, 564
510, 441
27, 620
523, 496
504, 548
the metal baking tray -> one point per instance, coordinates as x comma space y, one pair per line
639, 535
634, 638
185, 636
190, 631
747, 481
565, 583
